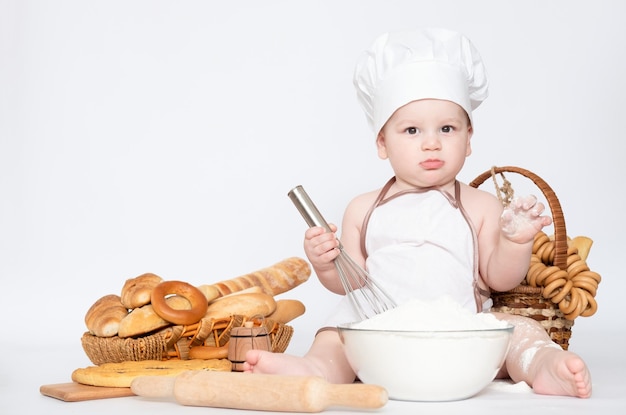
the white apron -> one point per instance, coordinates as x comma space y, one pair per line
418, 244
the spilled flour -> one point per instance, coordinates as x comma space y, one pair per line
442, 314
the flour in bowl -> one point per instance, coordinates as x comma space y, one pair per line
443, 314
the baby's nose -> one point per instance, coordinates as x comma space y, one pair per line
430, 141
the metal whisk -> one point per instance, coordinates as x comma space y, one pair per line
367, 297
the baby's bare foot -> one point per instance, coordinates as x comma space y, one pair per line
559, 372
260, 361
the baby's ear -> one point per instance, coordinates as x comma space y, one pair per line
381, 146
470, 133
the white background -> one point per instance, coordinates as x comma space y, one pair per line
163, 136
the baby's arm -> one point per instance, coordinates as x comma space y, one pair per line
508, 238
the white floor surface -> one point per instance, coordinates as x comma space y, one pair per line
27, 367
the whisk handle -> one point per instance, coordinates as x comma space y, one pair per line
307, 208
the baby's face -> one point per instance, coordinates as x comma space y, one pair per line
426, 142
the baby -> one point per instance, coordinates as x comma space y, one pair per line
424, 234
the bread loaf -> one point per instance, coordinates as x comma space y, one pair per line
104, 316
287, 310
274, 280
249, 305
136, 291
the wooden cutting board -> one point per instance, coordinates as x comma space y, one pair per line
75, 392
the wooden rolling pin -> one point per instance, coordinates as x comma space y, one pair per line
258, 392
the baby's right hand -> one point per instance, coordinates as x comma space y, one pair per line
321, 246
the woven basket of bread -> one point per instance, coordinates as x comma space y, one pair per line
179, 342
559, 286
154, 319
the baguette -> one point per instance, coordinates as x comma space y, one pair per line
250, 290
273, 280
209, 291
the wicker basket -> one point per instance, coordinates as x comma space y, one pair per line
174, 342
527, 300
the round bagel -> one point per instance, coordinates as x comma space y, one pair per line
196, 298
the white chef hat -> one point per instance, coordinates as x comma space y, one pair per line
407, 66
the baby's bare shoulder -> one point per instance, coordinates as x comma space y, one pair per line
365, 198
357, 207
471, 194
479, 203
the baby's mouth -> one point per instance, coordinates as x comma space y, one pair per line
432, 164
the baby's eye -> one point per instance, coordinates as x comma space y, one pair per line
447, 129
411, 130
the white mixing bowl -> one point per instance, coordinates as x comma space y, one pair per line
426, 365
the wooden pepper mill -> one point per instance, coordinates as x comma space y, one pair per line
246, 338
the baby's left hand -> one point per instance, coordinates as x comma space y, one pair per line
522, 219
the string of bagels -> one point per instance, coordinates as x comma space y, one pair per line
572, 288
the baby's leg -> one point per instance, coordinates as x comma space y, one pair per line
535, 359
325, 358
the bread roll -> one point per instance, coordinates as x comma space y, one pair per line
104, 316
287, 310
274, 280
248, 305
144, 319
136, 291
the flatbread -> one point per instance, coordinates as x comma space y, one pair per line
122, 374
